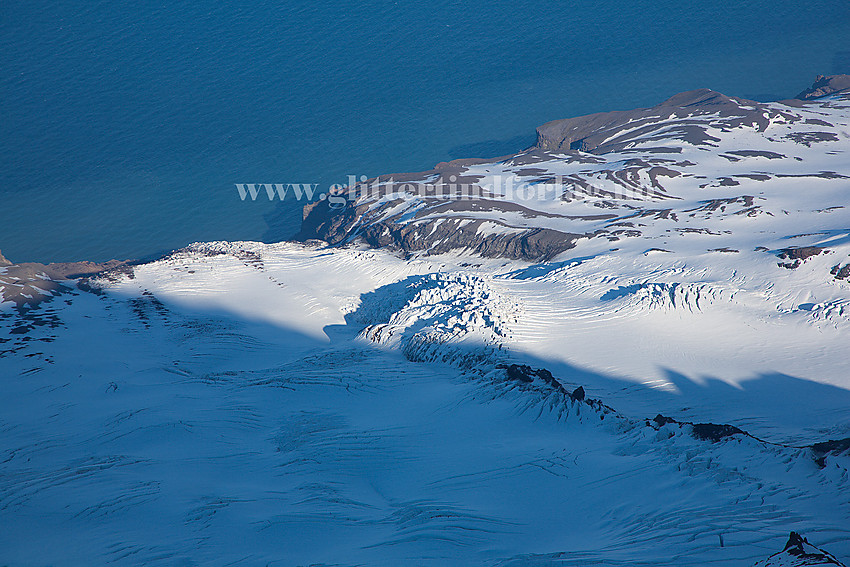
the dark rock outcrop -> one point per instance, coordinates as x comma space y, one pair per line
662, 420
796, 256
703, 431
526, 374
832, 447
826, 85
598, 133
520, 372
354, 222
714, 432
31, 283
840, 272
798, 552
578, 394
802, 253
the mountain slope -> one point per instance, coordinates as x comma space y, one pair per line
699, 164
628, 349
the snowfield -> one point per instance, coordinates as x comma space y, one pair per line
668, 386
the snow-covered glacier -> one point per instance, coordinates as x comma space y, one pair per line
638, 355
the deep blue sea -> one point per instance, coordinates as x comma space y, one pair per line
124, 127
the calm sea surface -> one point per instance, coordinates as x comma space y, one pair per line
124, 127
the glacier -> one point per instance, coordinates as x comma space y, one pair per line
648, 369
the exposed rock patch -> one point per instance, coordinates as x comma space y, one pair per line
825, 85
797, 256
798, 552
704, 431
598, 133
840, 272
31, 283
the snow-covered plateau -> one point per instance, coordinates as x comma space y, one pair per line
645, 362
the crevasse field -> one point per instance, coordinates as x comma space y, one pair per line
659, 387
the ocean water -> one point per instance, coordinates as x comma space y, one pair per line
124, 128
